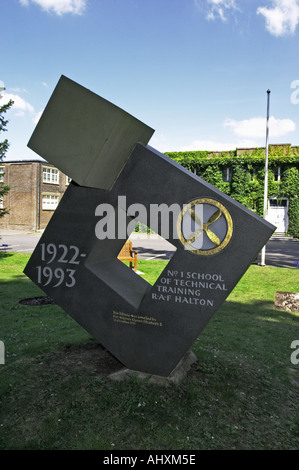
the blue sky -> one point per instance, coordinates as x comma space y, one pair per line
196, 71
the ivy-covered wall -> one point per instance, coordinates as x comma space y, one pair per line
245, 173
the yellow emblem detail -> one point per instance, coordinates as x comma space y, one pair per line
207, 239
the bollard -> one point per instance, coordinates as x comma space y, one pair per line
2, 353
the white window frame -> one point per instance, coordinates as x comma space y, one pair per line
1, 202
68, 179
277, 200
50, 175
1, 174
227, 175
49, 201
277, 174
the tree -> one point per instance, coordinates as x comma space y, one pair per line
3, 149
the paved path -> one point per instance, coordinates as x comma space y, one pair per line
280, 251
18, 242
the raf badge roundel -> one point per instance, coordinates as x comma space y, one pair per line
204, 226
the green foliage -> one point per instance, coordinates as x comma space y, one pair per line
3, 149
3, 190
294, 217
240, 185
213, 176
3, 123
142, 228
248, 173
290, 182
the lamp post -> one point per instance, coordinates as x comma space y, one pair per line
263, 255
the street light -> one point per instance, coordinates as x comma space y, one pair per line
263, 255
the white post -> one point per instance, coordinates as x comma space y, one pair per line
2, 353
263, 255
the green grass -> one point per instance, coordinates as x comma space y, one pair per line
243, 392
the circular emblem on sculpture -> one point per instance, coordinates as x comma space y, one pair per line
204, 226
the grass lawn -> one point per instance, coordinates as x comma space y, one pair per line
243, 393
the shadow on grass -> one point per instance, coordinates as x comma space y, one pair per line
55, 393
260, 310
44, 327
4, 255
19, 287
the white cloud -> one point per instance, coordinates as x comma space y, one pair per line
37, 116
20, 106
214, 146
19, 103
282, 17
60, 7
218, 8
256, 127
18, 90
165, 143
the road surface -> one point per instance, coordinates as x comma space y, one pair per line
280, 251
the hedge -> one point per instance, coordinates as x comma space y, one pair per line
246, 184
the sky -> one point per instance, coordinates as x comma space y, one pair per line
196, 71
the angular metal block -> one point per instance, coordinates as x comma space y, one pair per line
147, 328
86, 136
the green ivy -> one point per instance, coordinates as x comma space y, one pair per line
248, 173
293, 214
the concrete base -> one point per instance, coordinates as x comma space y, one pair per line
176, 376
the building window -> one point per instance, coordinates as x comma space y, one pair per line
278, 202
277, 174
68, 180
227, 175
252, 175
50, 202
50, 175
1, 203
1, 174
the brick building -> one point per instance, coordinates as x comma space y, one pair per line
36, 188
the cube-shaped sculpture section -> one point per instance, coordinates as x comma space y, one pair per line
86, 136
